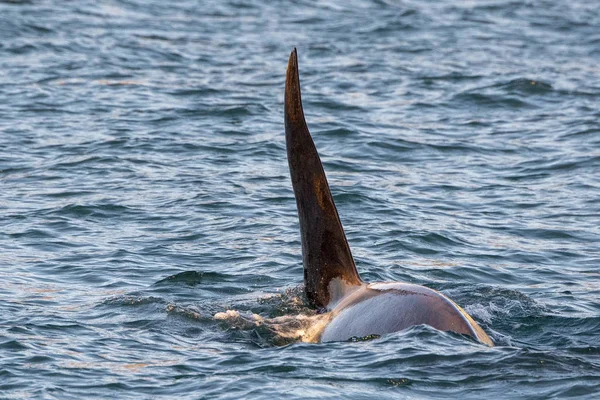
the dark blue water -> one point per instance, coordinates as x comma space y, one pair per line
144, 190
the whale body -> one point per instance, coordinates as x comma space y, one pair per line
354, 308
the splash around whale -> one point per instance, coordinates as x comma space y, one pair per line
352, 308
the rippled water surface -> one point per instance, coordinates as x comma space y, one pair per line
149, 244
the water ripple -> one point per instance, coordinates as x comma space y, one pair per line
150, 244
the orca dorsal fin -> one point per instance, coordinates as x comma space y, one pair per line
325, 251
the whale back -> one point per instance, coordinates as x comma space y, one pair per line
326, 255
381, 308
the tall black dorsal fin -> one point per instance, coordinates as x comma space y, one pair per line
325, 251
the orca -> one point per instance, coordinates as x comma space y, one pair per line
354, 308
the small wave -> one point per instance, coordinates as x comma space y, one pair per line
84, 160
216, 279
280, 330
291, 301
546, 167
190, 312
13, 345
95, 210
526, 86
32, 234
503, 301
133, 300
191, 278
491, 100
509, 95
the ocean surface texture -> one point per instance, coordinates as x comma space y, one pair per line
150, 245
